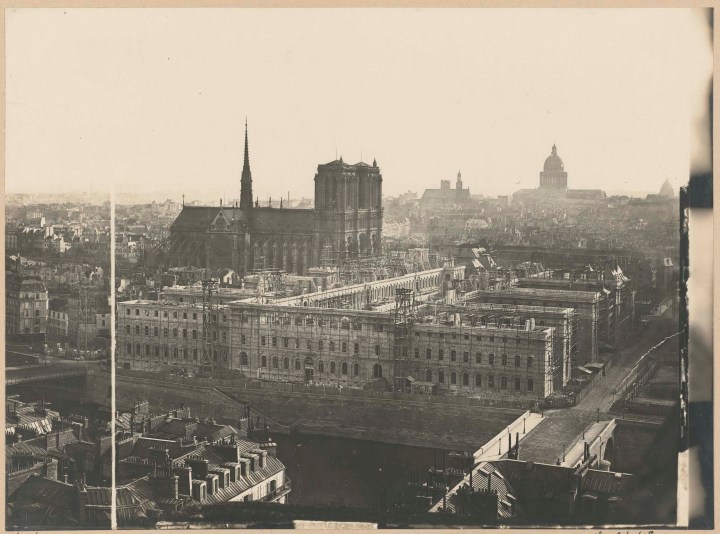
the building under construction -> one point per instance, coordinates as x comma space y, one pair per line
421, 349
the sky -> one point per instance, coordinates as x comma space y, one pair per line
155, 100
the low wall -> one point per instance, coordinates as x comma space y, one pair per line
445, 425
250, 385
516, 427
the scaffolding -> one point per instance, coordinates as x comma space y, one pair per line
403, 319
209, 332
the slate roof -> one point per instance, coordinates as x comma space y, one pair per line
498, 484
142, 447
43, 489
537, 481
194, 218
131, 506
607, 483
272, 467
24, 449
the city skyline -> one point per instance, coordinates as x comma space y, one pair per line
443, 97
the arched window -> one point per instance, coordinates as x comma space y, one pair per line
321, 366
297, 365
332, 367
428, 375
377, 371
530, 384
147, 349
263, 361
138, 350
344, 368
517, 360
157, 351
275, 362
453, 378
465, 379
243, 358
129, 348
286, 363
478, 380
356, 369
137, 329
441, 377
517, 384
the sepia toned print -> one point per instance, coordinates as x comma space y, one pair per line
331, 268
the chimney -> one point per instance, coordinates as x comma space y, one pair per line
199, 468
184, 480
489, 485
166, 485
271, 447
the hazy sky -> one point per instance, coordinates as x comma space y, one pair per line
156, 100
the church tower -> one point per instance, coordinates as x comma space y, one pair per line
246, 195
348, 209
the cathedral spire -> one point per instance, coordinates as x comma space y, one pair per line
246, 181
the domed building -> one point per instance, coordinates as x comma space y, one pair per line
553, 175
667, 190
553, 184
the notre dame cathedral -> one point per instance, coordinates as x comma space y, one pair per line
346, 222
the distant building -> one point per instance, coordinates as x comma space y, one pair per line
553, 175
446, 198
58, 320
26, 307
667, 190
554, 183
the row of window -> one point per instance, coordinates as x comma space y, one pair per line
478, 337
296, 343
275, 364
478, 357
465, 380
175, 332
177, 353
185, 315
286, 342
308, 320
185, 354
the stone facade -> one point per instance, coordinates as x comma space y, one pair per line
340, 347
26, 308
585, 303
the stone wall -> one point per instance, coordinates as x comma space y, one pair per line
456, 427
